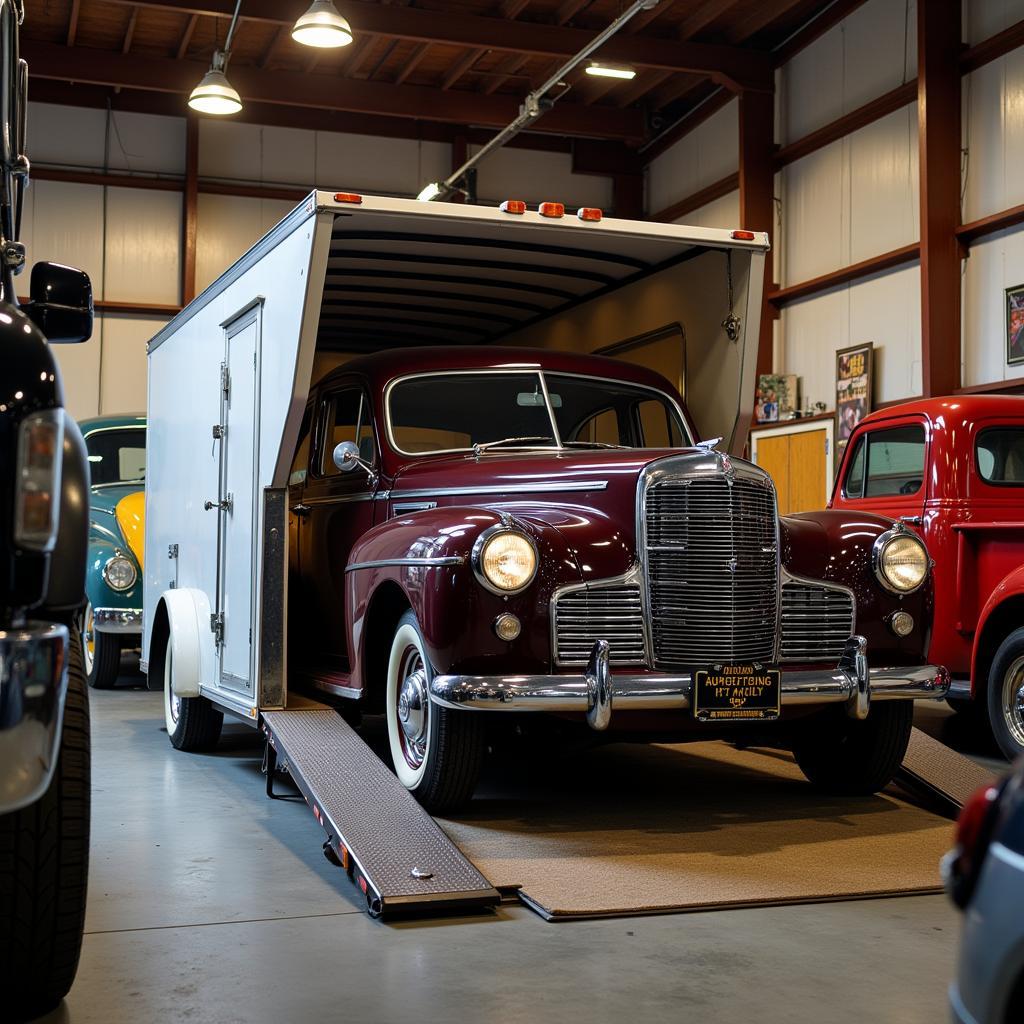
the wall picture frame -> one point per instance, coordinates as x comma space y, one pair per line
854, 390
1015, 325
778, 397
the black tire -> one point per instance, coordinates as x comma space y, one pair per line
106, 661
839, 754
1005, 695
193, 723
450, 767
44, 868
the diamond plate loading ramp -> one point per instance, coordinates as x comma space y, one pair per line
940, 771
398, 856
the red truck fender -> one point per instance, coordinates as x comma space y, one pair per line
1003, 613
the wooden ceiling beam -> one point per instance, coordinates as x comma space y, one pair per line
73, 22
67, 64
412, 63
186, 36
510, 9
129, 32
724, 63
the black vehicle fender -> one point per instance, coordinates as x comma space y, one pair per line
65, 590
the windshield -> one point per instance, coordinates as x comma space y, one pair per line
117, 456
450, 412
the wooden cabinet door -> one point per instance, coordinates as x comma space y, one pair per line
798, 459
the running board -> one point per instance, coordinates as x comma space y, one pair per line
941, 771
395, 852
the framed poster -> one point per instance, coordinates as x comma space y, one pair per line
1015, 325
778, 397
853, 390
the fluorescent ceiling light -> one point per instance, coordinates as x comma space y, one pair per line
610, 71
430, 192
215, 94
322, 26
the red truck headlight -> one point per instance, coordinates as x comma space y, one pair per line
37, 479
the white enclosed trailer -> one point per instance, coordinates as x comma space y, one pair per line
229, 378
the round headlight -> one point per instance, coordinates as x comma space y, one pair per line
119, 572
505, 561
901, 561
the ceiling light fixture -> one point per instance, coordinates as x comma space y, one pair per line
322, 26
215, 94
610, 70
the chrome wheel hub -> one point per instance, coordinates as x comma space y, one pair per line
1013, 700
413, 708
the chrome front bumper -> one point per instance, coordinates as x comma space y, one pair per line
33, 685
117, 620
852, 682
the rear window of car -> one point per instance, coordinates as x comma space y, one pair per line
999, 456
886, 463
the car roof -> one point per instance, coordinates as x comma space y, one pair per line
127, 419
952, 410
382, 367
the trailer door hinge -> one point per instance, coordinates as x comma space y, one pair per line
218, 431
217, 627
225, 378
172, 550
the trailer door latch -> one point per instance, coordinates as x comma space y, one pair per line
218, 431
224, 505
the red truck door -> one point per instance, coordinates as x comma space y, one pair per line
884, 470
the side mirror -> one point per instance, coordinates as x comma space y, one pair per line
346, 457
60, 303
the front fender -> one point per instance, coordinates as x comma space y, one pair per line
836, 547
104, 543
426, 556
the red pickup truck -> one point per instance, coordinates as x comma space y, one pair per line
953, 470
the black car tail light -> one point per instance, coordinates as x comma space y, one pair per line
973, 834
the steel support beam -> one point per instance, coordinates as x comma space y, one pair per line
938, 111
756, 182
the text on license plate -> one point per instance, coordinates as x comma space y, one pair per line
738, 692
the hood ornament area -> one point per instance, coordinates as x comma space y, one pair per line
710, 445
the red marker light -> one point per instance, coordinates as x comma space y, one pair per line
551, 209
588, 213
513, 206
743, 236
347, 197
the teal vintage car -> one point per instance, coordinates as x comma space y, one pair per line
113, 615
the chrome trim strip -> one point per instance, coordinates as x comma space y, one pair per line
117, 620
339, 499
663, 692
425, 563
451, 492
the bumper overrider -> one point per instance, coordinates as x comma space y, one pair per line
852, 683
33, 686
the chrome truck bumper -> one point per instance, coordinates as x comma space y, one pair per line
852, 682
33, 685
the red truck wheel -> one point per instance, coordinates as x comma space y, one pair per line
436, 752
1006, 695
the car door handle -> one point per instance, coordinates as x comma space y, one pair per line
912, 520
300, 509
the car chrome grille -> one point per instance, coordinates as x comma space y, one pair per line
816, 622
712, 570
613, 613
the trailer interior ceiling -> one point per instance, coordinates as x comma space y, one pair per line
394, 283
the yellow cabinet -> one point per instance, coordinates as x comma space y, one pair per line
798, 455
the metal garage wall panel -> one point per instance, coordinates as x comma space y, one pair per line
867, 54
884, 212
80, 371
984, 18
143, 245
884, 309
706, 155
996, 263
229, 149
366, 163
719, 213
71, 136
123, 373
64, 222
147, 143
537, 177
993, 132
815, 219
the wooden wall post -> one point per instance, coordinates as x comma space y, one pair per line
938, 113
190, 211
756, 179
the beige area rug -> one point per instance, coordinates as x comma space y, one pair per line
630, 829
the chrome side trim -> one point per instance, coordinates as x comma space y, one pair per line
425, 563
533, 488
339, 499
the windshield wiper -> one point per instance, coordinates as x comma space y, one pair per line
478, 448
595, 444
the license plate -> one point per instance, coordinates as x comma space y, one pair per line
733, 693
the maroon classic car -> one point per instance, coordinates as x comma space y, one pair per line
478, 532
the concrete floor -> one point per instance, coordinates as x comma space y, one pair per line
210, 903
